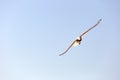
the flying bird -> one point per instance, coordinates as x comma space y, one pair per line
79, 39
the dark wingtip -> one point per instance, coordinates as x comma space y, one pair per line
60, 54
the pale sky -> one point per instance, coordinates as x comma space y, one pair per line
34, 32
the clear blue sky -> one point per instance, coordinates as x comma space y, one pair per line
34, 32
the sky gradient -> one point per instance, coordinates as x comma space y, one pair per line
34, 32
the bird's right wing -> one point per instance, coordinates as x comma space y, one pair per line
67, 49
91, 27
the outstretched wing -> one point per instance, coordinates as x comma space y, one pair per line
67, 48
91, 27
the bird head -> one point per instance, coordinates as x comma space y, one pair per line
79, 38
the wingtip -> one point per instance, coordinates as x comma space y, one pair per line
60, 54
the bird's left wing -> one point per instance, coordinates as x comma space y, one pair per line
67, 49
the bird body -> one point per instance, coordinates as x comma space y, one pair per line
77, 41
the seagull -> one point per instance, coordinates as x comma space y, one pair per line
79, 39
